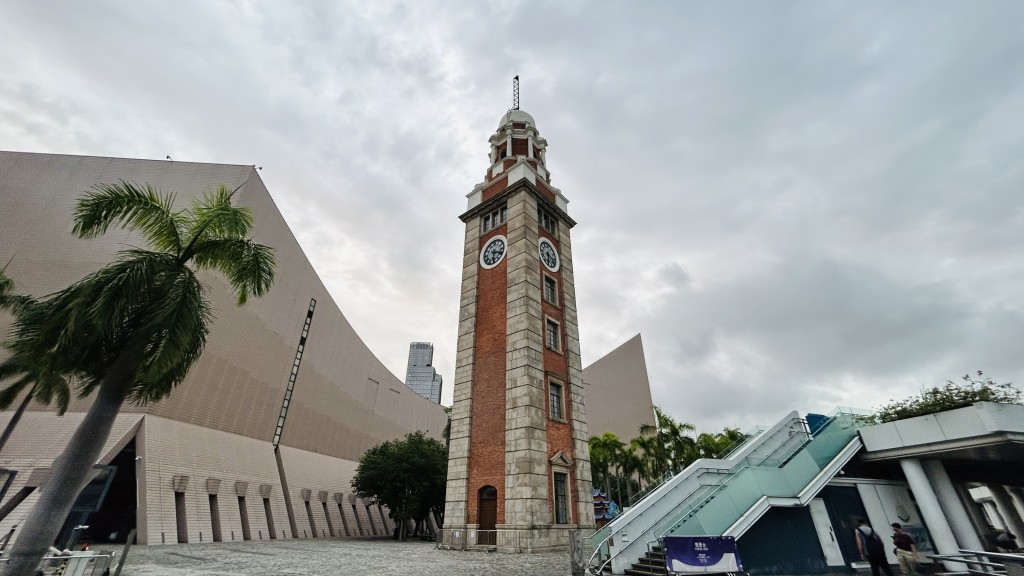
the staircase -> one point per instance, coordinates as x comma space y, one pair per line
785, 465
652, 564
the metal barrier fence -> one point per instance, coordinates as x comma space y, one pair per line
78, 563
980, 563
467, 538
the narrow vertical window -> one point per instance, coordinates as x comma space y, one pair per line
547, 221
215, 518
561, 498
555, 401
359, 523
270, 519
181, 517
373, 525
327, 515
550, 290
243, 513
551, 336
344, 522
312, 523
494, 218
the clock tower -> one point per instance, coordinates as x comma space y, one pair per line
519, 465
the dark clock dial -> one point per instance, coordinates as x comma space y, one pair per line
548, 255
493, 252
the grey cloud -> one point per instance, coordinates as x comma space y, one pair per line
796, 206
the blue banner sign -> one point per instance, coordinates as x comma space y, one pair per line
701, 555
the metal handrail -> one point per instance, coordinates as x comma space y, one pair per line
747, 437
650, 488
974, 557
71, 555
597, 549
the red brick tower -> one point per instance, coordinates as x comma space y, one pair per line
519, 468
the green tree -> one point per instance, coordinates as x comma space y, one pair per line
130, 331
408, 476
949, 397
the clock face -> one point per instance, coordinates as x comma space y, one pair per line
548, 254
493, 252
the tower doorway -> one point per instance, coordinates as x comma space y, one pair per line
488, 516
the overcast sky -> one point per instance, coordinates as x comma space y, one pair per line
798, 205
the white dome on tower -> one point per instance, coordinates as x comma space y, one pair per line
516, 116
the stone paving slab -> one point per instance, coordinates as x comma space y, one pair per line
334, 558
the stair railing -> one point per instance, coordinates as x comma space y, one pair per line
804, 439
700, 495
602, 555
650, 488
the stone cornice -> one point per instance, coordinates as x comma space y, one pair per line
489, 204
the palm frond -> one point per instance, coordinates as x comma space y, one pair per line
213, 216
135, 207
8, 299
46, 383
175, 329
11, 392
249, 266
6, 284
120, 290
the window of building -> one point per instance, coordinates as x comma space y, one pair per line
555, 403
495, 218
552, 338
547, 220
561, 498
550, 290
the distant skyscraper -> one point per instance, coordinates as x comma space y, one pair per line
420, 376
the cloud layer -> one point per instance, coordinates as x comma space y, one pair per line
798, 206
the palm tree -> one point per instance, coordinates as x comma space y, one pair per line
43, 382
675, 448
604, 450
47, 385
131, 330
646, 446
632, 463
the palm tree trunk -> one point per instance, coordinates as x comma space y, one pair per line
15, 418
69, 475
607, 486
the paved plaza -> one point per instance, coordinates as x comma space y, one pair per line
334, 558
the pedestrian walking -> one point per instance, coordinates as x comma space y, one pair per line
906, 550
871, 548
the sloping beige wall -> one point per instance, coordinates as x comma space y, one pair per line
617, 392
345, 401
220, 421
